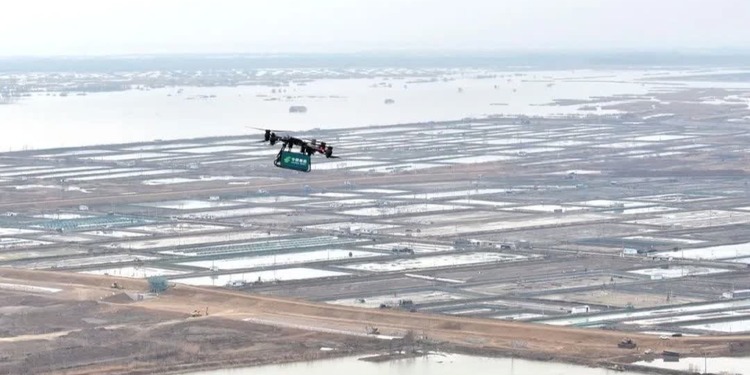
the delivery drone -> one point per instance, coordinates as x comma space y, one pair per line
299, 161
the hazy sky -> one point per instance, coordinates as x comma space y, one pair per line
93, 27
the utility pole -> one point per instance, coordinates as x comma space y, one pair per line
705, 364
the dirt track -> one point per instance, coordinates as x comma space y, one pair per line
590, 346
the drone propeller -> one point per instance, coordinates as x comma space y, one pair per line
273, 130
270, 137
308, 148
328, 150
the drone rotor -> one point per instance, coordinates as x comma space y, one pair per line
288, 142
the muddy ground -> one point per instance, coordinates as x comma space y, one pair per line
44, 335
86, 327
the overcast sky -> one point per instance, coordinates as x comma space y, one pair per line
96, 27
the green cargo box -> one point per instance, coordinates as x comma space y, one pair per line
294, 161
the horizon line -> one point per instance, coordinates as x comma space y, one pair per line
696, 51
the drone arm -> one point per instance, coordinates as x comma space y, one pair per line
288, 142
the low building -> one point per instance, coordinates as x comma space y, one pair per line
629, 251
744, 293
580, 309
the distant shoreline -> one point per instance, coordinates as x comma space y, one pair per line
510, 59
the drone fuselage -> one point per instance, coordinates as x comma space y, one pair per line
292, 160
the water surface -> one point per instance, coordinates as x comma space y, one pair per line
448, 364
703, 365
42, 121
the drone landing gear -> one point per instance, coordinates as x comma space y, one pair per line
293, 160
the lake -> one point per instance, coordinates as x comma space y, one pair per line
442, 364
42, 121
46, 121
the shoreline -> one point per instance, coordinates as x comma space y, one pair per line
387, 357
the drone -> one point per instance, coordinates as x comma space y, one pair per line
300, 161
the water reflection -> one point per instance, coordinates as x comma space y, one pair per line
442, 364
704, 365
